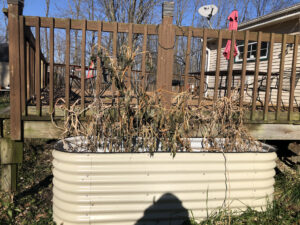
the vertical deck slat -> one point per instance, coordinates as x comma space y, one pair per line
38, 68
83, 45
115, 39
293, 78
67, 57
256, 73
14, 74
46, 74
42, 74
203, 61
51, 77
269, 73
281, 72
144, 78
27, 71
217, 75
187, 60
32, 71
244, 68
230, 64
23, 66
99, 69
131, 49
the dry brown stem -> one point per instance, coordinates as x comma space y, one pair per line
141, 122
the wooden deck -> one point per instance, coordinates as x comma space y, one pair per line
31, 73
271, 129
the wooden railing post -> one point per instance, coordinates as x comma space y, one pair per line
166, 40
15, 8
11, 150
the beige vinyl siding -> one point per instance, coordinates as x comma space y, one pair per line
263, 67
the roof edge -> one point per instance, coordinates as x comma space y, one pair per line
286, 12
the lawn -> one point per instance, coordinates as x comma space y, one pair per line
32, 203
285, 209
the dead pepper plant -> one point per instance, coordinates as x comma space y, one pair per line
135, 120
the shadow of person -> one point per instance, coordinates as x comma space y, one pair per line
168, 210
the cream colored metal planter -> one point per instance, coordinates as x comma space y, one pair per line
136, 188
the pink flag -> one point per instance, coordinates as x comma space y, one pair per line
233, 24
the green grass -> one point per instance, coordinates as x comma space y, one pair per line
32, 203
284, 210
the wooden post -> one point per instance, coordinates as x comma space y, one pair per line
37, 77
217, 77
202, 67
166, 41
11, 155
14, 10
281, 74
82, 75
23, 66
128, 81
230, 64
244, 68
99, 69
268, 86
51, 74
42, 73
33, 72
28, 71
187, 60
293, 78
8, 148
144, 78
256, 73
114, 54
67, 61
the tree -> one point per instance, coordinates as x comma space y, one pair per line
248, 9
263, 7
129, 11
3, 24
46, 32
75, 11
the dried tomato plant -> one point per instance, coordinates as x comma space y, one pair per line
134, 120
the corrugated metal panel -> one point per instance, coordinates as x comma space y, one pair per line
136, 188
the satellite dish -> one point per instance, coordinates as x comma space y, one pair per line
208, 11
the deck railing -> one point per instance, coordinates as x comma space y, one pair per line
186, 57
35, 72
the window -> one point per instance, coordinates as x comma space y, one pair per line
251, 54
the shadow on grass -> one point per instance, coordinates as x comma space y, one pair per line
34, 189
165, 211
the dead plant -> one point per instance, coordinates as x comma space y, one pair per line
137, 121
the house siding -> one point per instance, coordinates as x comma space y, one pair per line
263, 67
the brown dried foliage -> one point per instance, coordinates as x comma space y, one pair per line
137, 121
